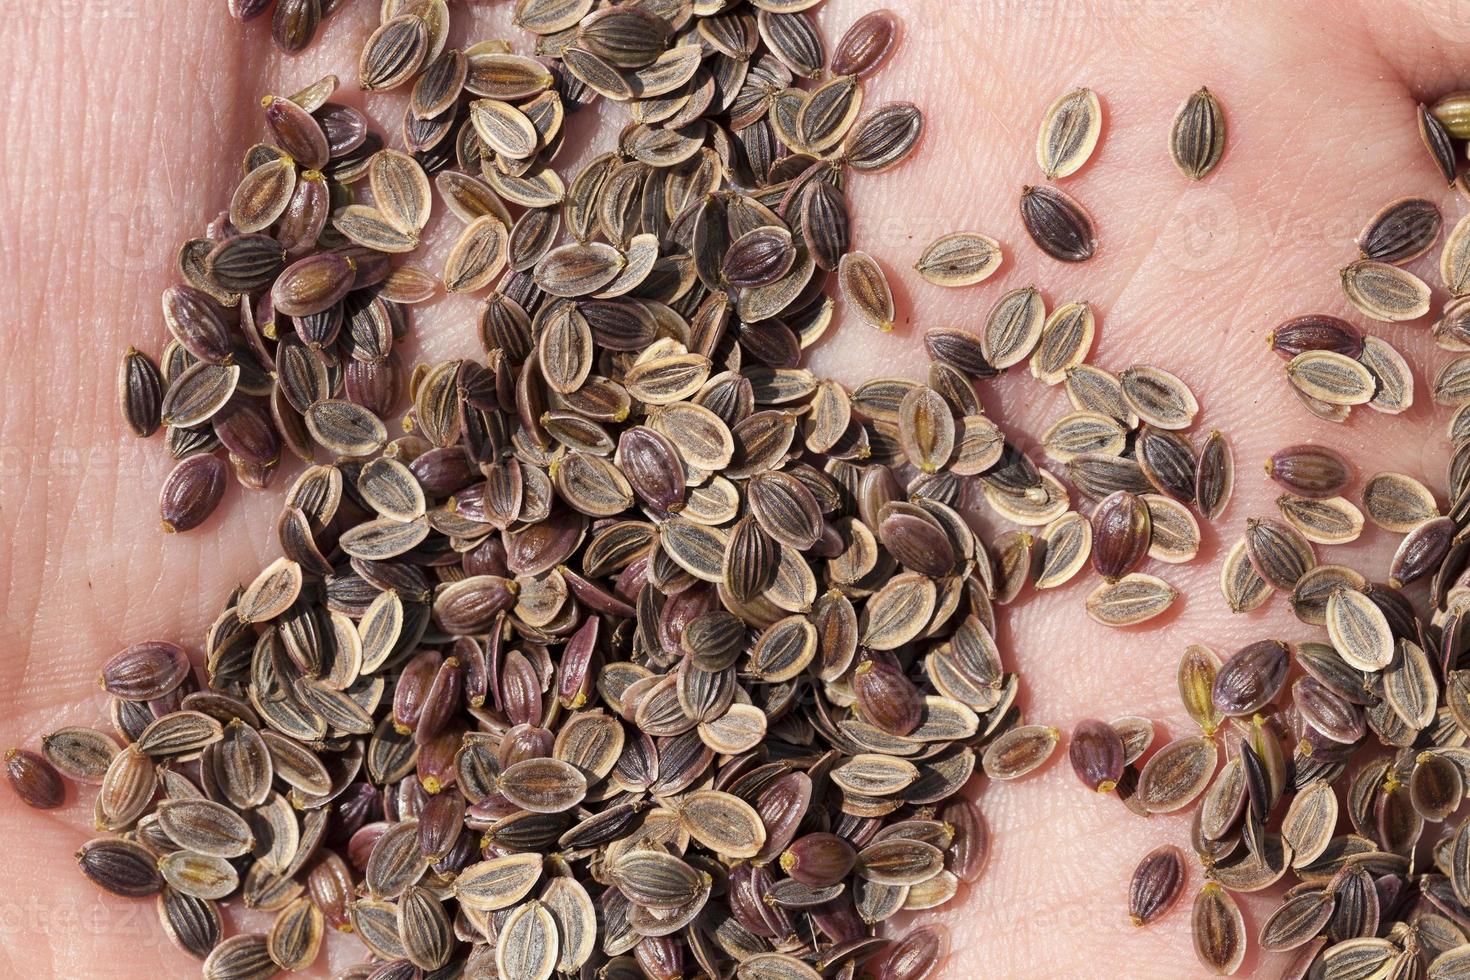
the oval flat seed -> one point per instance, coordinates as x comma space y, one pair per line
1058, 225
1359, 630
1385, 292
959, 259
1398, 503
1133, 599
1197, 138
866, 288
1158, 397
1331, 378
1069, 131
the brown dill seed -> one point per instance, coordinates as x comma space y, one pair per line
1120, 534
959, 259
866, 287
34, 780
1278, 552
1401, 230
1332, 520
1454, 259
1251, 678
1058, 225
140, 392
1176, 774
1310, 470
1096, 753
1156, 885
1020, 751
1394, 393
1069, 132
1197, 138
1316, 331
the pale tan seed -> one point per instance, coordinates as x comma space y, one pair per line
1358, 630
84, 754
499, 882
1330, 377
1013, 327
400, 190
1331, 521
295, 938
1069, 132
1019, 751
370, 228
1385, 292
899, 611
271, 593
1395, 383
1454, 259
724, 823
1309, 822
528, 948
865, 288
1175, 534
926, 428
1084, 432
1196, 673
1451, 385
1066, 548
1219, 930
241, 957
205, 827
1177, 774
1197, 139
828, 113
199, 394
1092, 389
1242, 586
1398, 503
578, 269
504, 128
1133, 599
1158, 397
1066, 338
961, 258
477, 256
345, 428
1410, 686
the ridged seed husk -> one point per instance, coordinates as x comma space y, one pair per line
1174, 534
1135, 598
1384, 292
1359, 630
120, 866
1219, 930
1197, 139
1156, 885
1019, 751
724, 823
1069, 132
1400, 231
1013, 327
1278, 552
960, 258
1092, 389
884, 138
1176, 774
1394, 394
1066, 545
1058, 225
865, 287
1454, 259
1331, 378
1158, 397
1397, 502
1066, 339
1331, 521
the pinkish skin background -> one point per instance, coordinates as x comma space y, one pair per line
124, 123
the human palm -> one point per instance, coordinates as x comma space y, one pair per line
124, 126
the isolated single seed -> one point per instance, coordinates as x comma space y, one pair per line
1019, 751
1242, 586
34, 780
1066, 338
1069, 132
959, 259
1197, 139
1058, 225
1157, 883
1158, 397
1198, 668
1331, 521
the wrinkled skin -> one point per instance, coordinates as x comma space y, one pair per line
124, 125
